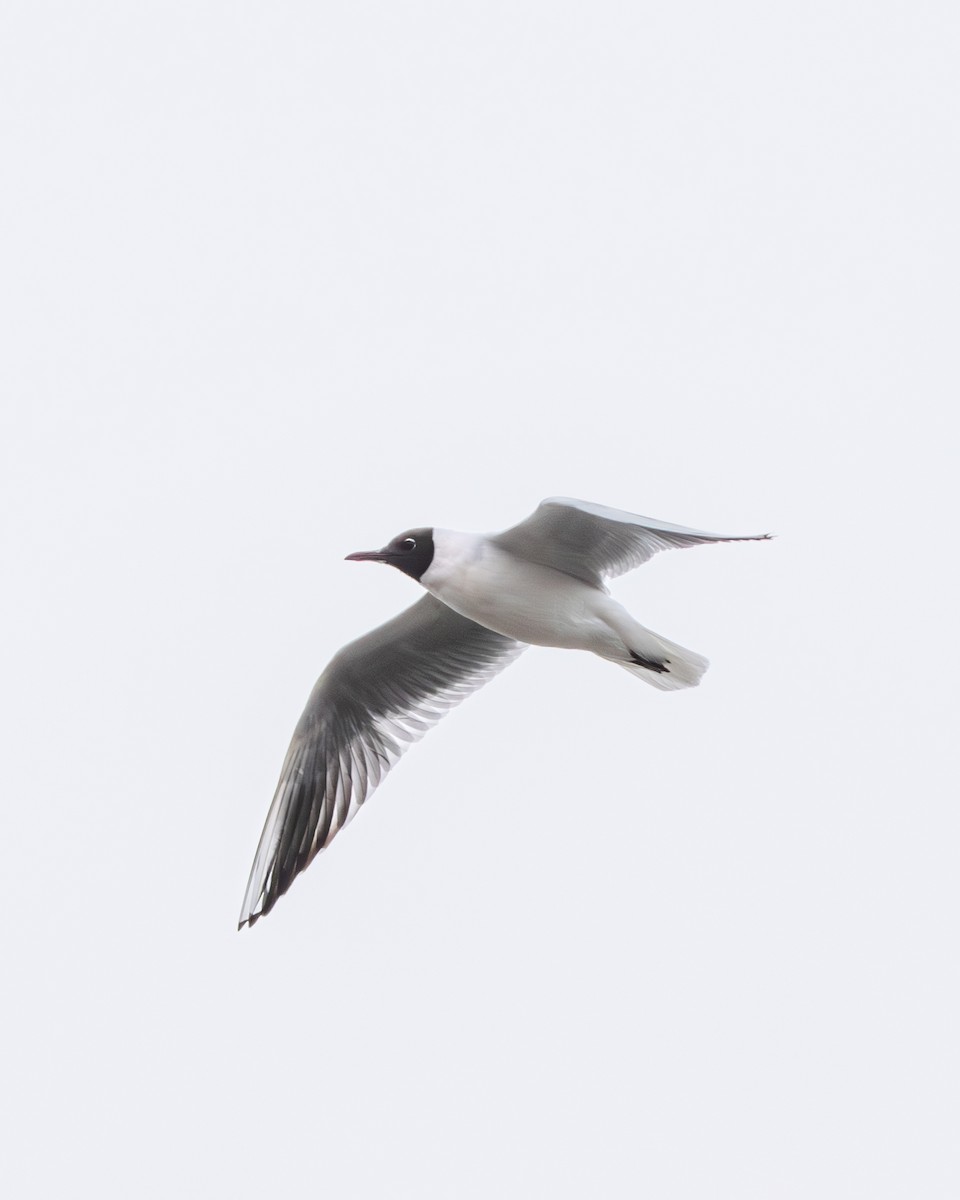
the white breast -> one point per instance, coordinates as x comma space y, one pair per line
519, 599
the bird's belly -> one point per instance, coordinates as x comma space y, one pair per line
534, 604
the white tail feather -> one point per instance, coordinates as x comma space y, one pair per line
682, 668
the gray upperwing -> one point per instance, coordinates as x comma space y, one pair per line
593, 543
379, 694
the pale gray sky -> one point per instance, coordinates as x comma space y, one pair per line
278, 281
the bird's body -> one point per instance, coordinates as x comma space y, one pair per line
522, 600
489, 596
542, 606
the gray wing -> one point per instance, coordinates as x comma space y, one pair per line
378, 694
594, 543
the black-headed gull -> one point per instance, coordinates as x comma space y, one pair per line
489, 597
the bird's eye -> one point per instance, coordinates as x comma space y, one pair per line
408, 544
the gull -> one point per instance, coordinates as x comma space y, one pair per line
489, 596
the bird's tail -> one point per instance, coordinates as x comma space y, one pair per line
658, 661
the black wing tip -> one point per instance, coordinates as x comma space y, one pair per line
268, 899
748, 537
252, 918
278, 887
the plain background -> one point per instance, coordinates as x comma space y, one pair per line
280, 280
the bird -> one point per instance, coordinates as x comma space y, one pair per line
488, 597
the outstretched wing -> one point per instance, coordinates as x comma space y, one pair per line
379, 694
594, 543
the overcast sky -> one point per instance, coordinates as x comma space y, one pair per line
279, 281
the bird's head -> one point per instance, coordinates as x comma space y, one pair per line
410, 552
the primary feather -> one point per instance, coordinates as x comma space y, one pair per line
379, 694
